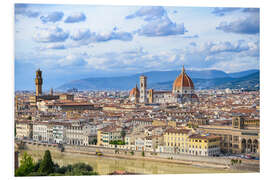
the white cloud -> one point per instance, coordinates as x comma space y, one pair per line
51, 34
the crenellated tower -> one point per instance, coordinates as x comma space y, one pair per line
38, 82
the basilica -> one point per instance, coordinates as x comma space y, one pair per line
182, 92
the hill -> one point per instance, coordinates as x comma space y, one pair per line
159, 80
249, 82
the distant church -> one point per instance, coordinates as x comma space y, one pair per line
183, 91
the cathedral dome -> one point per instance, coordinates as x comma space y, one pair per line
183, 81
134, 92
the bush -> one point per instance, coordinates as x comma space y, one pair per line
79, 169
117, 142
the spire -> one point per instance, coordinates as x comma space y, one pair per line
183, 69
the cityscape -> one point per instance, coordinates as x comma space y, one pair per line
192, 106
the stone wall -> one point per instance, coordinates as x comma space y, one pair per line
110, 151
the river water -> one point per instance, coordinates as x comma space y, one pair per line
106, 165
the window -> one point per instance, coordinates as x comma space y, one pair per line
235, 138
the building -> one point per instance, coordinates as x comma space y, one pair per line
176, 140
54, 106
182, 92
140, 144
143, 88
134, 95
108, 134
237, 138
66, 97
185, 141
90, 134
39, 96
59, 132
40, 131
24, 129
204, 145
75, 133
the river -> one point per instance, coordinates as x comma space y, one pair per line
106, 165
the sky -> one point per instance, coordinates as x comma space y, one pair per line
70, 42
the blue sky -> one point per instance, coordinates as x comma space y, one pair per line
69, 42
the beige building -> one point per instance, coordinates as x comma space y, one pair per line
240, 137
24, 129
40, 131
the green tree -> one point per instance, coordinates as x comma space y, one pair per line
47, 165
143, 153
37, 165
26, 166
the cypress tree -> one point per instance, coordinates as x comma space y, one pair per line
47, 165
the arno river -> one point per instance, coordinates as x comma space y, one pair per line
105, 165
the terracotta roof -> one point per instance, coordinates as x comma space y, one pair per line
162, 92
135, 92
199, 136
177, 131
183, 80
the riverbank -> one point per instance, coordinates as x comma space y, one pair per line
109, 155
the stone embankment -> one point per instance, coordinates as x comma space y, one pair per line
213, 162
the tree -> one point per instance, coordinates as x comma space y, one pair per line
37, 165
123, 134
143, 153
79, 169
47, 165
26, 167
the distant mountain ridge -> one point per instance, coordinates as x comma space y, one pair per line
249, 82
162, 80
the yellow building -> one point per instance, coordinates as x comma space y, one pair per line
175, 140
184, 141
204, 145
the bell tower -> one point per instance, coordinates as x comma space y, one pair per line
143, 87
38, 82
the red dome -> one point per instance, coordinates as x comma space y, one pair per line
183, 80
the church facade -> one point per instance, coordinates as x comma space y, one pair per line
182, 92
